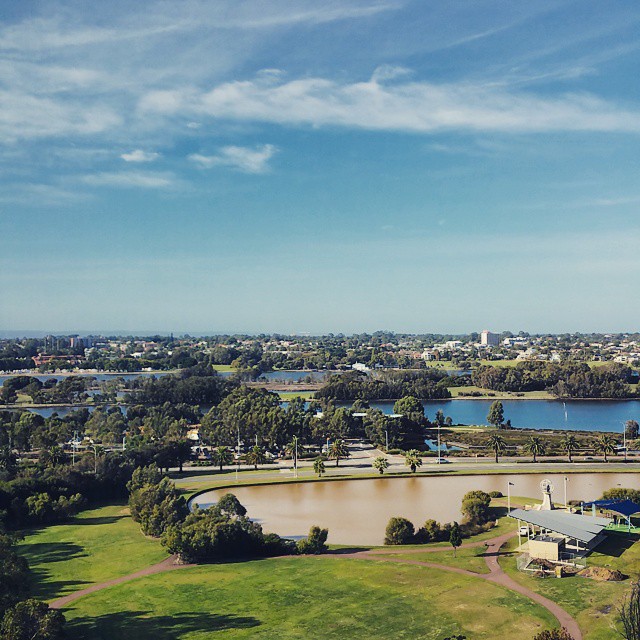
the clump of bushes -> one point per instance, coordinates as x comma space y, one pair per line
399, 531
314, 543
496, 494
43, 508
475, 507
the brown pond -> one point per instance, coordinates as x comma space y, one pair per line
356, 512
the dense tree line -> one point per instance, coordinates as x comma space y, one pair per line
389, 385
568, 380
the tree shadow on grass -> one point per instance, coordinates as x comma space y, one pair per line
98, 520
143, 624
45, 552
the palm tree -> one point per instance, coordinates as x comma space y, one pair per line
535, 447
222, 456
256, 456
318, 466
338, 450
291, 449
380, 464
606, 444
498, 444
569, 444
413, 460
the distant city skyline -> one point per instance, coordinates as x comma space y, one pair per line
316, 167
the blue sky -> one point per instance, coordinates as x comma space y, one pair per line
319, 166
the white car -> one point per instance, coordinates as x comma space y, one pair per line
523, 531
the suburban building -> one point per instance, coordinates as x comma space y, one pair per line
488, 339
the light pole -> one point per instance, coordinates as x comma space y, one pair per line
509, 485
439, 452
386, 435
238, 454
566, 506
295, 456
624, 435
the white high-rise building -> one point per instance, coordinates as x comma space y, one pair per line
488, 339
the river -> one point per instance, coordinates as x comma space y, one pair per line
357, 511
576, 415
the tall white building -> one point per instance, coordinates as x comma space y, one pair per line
488, 339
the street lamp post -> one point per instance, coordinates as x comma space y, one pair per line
386, 435
509, 485
566, 506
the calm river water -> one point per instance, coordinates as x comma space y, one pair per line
357, 511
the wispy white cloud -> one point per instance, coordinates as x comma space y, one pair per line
246, 159
139, 155
421, 107
131, 179
40, 195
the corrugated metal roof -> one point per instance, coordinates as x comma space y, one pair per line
572, 525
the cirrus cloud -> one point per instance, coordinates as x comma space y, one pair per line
418, 107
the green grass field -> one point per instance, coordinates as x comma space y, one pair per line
98, 545
288, 395
469, 559
313, 597
223, 367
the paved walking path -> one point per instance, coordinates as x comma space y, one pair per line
491, 555
169, 564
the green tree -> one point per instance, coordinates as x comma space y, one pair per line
497, 444
339, 450
221, 456
496, 414
318, 466
606, 444
569, 443
475, 506
399, 531
380, 464
535, 446
315, 542
631, 429
32, 620
230, 505
411, 408
256, 456
157, 506
413, 460
14, 574
455, 538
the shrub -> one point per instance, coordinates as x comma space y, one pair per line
314, 543
399, 531
554, 634
431, 531
475, 506
496, 494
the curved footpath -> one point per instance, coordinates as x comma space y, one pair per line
495, 575
491, 555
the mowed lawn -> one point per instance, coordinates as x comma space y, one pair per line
97, 545
313, 597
